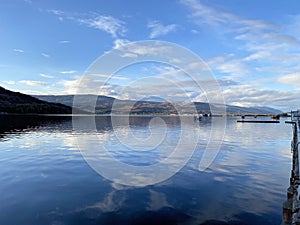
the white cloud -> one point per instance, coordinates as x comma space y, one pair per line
257, 56
229, 65
113, 26
32, 83
292, 79
68, 72
56, 12
272, 42
165, 82
46, 75
154, 48
246, 95
18, 50
109, 24
157, 29
259, 46
203, 14
64, 42
86, 85
195, 31
92, 83
70, 86
208, 15
293, 28
45, 55
9, 82
118, 43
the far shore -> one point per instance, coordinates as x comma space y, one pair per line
151, 115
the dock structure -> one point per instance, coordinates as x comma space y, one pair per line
291, 207
258, 121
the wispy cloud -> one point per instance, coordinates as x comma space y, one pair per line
158, 29
64, 42
135, 50
245, 95
18, 50
292, 79
32, 82
249, 96
71, 86
258, 47
229, 65
109, 24
68, 72
204, 14
57, 12
9, 82
45, 55
194, 31
118, 43
46, 75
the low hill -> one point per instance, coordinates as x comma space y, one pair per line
104, 105
15, 102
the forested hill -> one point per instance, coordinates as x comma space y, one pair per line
15, 102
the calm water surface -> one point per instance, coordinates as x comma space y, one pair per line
44, 178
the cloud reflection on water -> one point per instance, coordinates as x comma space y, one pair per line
249, 176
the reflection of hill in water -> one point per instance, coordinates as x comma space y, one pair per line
17, 124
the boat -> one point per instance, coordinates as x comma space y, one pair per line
275, 117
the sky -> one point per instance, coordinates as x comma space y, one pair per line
252, 47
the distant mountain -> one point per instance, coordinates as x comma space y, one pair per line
15, 102
104, 104
269, 109
68, 99
251, 110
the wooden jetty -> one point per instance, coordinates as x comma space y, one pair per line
291, 207
258, 121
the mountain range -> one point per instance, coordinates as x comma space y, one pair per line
104, 104
15, 102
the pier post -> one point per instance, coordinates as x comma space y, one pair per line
291, 207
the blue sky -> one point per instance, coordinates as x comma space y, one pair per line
252, 47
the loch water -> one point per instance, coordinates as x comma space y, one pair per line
46, 179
